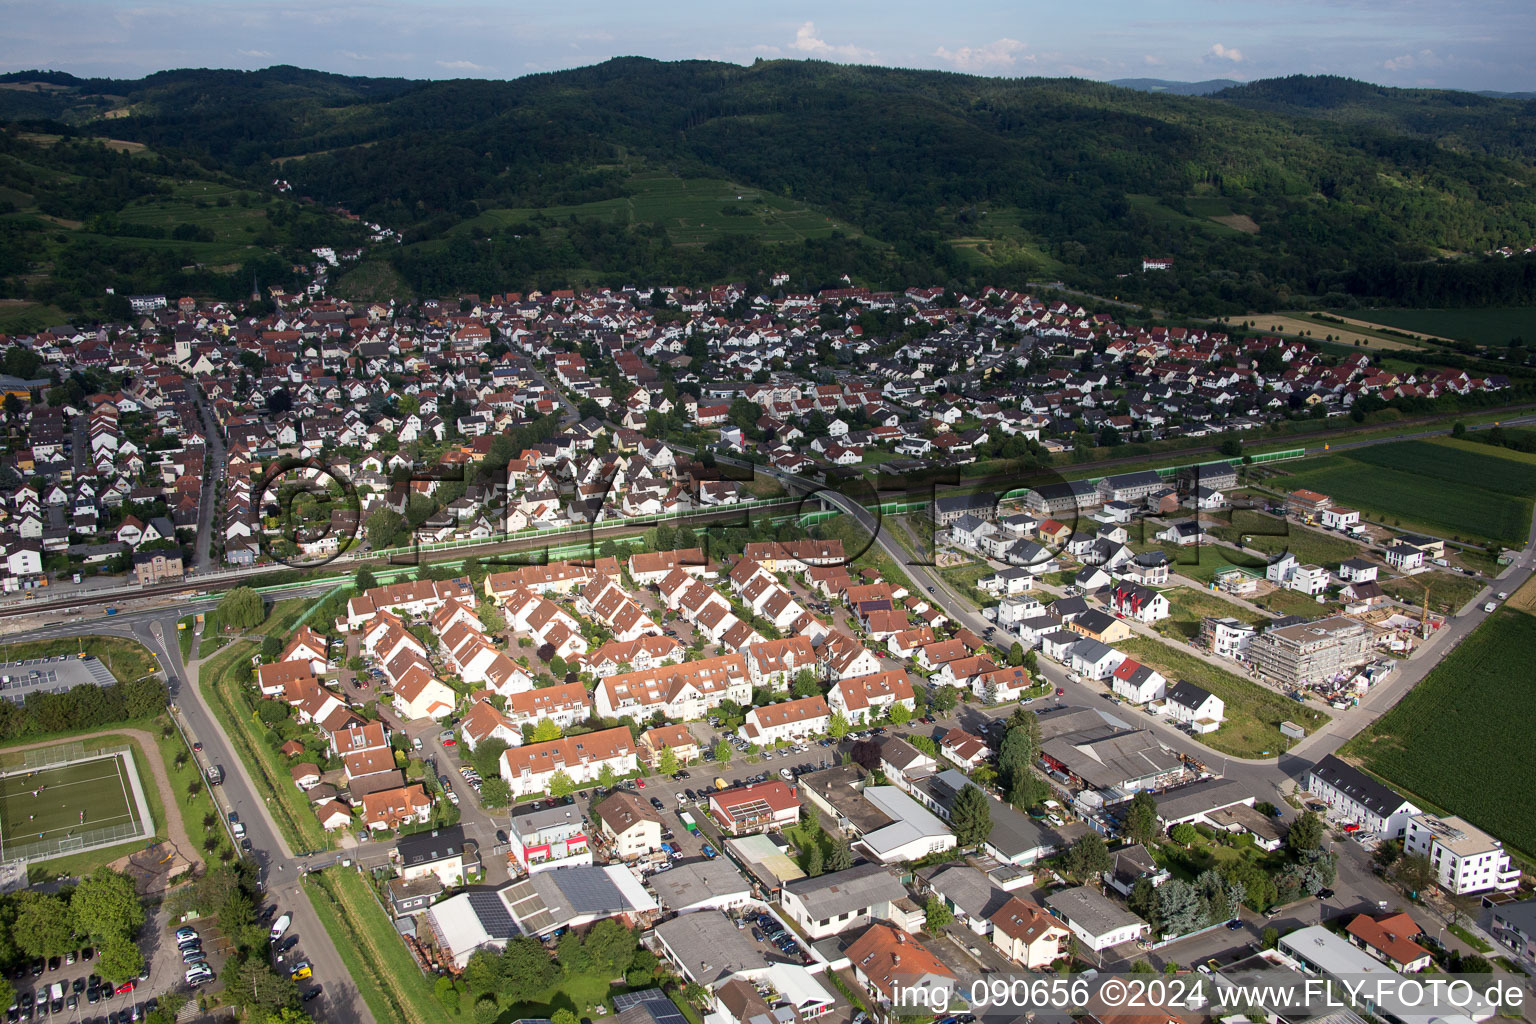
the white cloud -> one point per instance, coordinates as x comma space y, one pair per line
806, 41
461, 65
1409, 61
1000, 53
254, 53
1151, 61
1232, 54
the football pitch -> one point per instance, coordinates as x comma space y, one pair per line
69, 805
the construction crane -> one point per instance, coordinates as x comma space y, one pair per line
1424, 620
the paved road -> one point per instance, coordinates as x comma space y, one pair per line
279, 869
213, 474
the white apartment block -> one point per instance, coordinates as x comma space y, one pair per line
1466, 859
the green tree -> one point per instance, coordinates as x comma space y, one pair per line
937, 916
1016, 655
560, 785
943, 700
607, 778
44, 926
1183, 833
1414, 872
1305, 833
900, 714
970, 817
723, 752
563, 1016
837, 725
526, 969
385, 528
119, 959
545, 730
839, 855
364, 580
1271, 937
611, 948
105, 904
1141, 825
1088, 857
666, 762
495, 792
487, 757
806, 684
815, 863
271, 647
242, 608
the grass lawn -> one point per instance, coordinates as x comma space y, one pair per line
1448, 591
1206, 852
198, 812
1186, 607
125, 659
384, 971
1202, 562
1447, 490
1294, 602
1469, 711
1272, 535
185, 637
963, 579
294, 817
1253, 715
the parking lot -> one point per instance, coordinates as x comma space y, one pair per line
57, 674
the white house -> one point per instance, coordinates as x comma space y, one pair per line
1466, 858
786, 720
1309, 579
1357, 570
1094, 660
1195, 706
1098, 922
529, 768
1137, 683
1355, 797
1404, 558
1337, 518
1137, 602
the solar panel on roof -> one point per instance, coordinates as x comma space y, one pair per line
492, 914
589, 890
662, 1009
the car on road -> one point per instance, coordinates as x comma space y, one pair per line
197, 747
656, 803
1234, 924
302, 971
640, 783
280, 926
311, 994
930, 590
1325, 894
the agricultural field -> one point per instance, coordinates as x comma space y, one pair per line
1186, 607
1442, 489
1495, 325
693, 210
1254, 713
1303, 325
1455, 739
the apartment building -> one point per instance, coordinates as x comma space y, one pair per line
554, 837
1466, 859
528, 769
1357, 798
1310, 652
787, 720
685, 692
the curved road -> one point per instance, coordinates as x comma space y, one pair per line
279, 869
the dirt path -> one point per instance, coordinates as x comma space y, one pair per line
173, 828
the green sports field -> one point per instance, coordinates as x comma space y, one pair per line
56, 805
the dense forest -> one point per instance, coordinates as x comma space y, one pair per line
1273, 194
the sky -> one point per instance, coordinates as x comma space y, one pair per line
1464, 44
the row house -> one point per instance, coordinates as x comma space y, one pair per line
528, 769
684, 692
608, 603
787, 721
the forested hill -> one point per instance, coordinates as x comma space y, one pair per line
640, 170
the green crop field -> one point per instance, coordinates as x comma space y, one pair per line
1444, 489
1492, 326
1455, 739
49, 804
